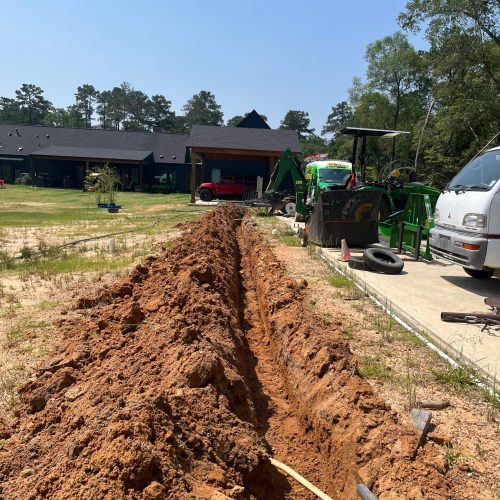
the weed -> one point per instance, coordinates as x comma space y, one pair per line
9, 380
348, 333
410, 381
452, 457
491, 397
6, 261
373, 367
339, 281
15, 335
385, 325
26, 252
290, 241
262, 212
456, 377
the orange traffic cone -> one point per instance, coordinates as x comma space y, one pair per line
345, 255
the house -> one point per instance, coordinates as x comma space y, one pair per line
147, 161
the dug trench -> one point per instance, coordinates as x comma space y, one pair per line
181, 380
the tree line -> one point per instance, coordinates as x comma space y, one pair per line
121, 108
448, 96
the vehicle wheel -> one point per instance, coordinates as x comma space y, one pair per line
356, 263
385, 210
289, 208
480, 275
383, 261
206, 195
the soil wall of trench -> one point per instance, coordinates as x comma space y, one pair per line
152, 396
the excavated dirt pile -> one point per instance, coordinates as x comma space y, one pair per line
165, 390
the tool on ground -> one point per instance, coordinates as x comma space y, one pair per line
491, 319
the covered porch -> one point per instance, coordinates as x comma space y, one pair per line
68, 167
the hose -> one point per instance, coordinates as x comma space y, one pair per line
303, 481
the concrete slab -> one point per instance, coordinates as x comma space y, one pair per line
425, 289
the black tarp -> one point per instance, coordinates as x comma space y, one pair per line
349, 215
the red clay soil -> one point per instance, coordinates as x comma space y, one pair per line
177, 382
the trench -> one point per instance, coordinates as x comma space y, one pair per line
281, 431
223, 365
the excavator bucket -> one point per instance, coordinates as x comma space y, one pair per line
349, 215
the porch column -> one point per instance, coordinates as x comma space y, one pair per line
193, 177
33, 183
202, 176
141, 176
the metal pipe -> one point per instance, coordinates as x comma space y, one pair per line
460, 317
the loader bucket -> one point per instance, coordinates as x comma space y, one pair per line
349, 215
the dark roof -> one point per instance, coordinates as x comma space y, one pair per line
93, 153
248, 139
253, 120
373, 132
166, 148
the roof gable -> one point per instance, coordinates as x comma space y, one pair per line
248, 139
253, 120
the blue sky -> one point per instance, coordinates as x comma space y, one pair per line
272, 55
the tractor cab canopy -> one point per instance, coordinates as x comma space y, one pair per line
357, 132
371, 132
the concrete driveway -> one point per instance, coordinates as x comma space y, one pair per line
425, 289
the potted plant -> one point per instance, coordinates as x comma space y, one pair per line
104, 182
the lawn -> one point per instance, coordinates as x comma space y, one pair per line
35, 223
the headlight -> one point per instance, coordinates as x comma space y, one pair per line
474, 220
436, 214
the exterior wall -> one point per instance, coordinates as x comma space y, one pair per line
167, 178
251, 168
12, 170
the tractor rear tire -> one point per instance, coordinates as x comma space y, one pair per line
383, 261
478, 274
206, 195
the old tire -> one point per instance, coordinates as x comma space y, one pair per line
356, 263
382, 261
206, 195
479, 274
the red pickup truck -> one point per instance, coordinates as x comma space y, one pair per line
228, 186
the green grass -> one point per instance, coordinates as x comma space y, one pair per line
458, 378
74, 263
62, 216
373, 367
339, 281
22, 206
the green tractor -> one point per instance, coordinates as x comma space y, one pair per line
335, 202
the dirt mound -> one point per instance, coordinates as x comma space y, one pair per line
148, 399
152, 396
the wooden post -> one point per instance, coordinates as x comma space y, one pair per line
33, 183
202, 175
193, 177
